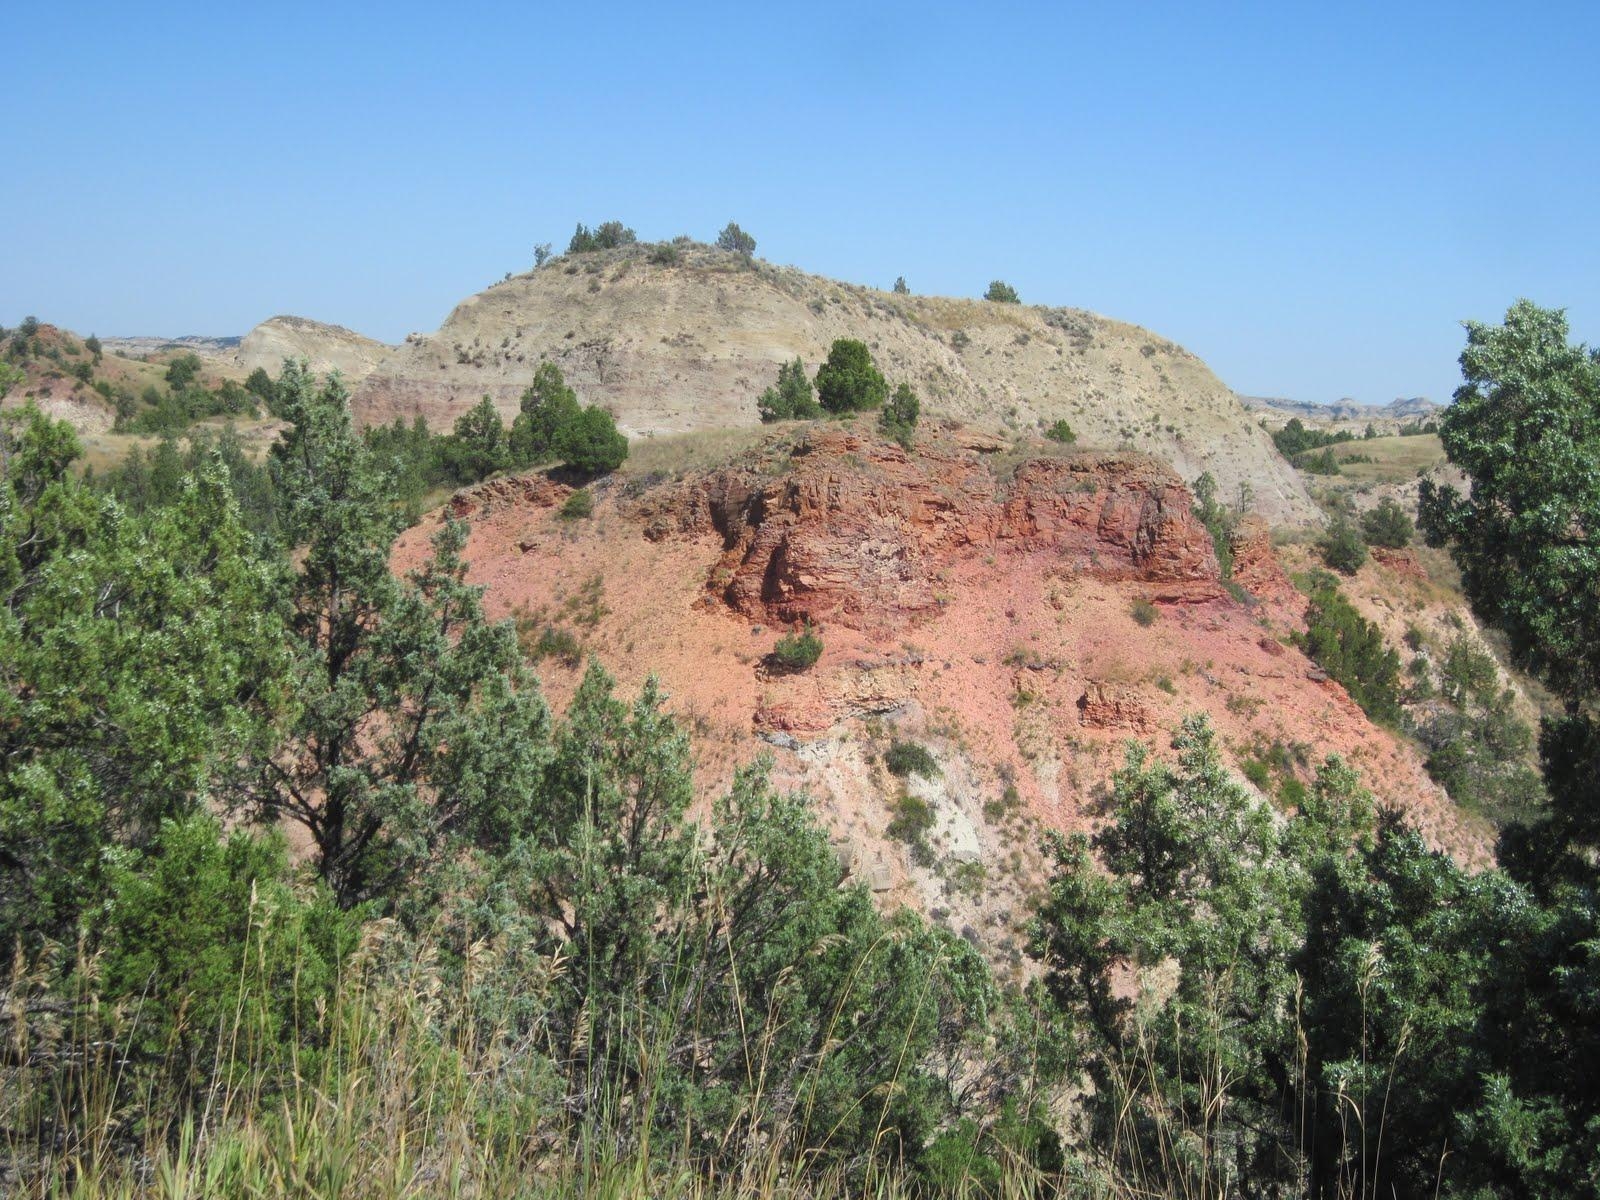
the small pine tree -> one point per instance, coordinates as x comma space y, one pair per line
1002, 292
900, 288
591, 442
478, 448
735, 239
1387, 525
793, 399
1351, 649
1342, 548
798, 651
850, 381
898, 420
546, 407
1061, 432
609, 236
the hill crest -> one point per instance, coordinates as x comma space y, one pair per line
689, 344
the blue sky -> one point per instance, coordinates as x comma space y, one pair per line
1311, 197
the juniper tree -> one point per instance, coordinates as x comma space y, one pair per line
414, 726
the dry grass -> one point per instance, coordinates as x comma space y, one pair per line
679, 454
413, 1090
1397, 459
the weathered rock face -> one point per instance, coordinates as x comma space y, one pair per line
1255, 567
988, 612
508, 491
859, 533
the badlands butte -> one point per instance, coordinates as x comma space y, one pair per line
1020, 608
688, 347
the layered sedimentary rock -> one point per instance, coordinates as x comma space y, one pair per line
858, 532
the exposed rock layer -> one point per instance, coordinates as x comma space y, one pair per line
855, 531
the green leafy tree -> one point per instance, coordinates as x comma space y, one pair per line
1002, 292
1525, 426
1526, 431
1296, 439
737, 240
182, 371
260, 385
793, 399
93, 346
898, 419
849, 381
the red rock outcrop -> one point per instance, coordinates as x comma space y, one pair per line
1114, 706
1255, 566
855, 531
507, 492
1401, 562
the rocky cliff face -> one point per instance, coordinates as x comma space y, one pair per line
327, 348
856, 531
689, 346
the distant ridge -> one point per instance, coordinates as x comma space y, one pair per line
1347, 411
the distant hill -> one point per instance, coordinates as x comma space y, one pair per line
325, 347
1385, 418
688, 344
215, 351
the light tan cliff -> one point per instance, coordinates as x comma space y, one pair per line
689, 346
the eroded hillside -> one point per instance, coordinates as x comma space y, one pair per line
326, 348
689, 345
1020, 619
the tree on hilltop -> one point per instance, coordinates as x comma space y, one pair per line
735, 239
609, 236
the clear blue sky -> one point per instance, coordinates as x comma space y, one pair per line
1311, 197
